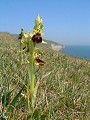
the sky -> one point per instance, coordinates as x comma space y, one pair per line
65, 21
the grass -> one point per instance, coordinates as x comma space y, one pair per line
64, 91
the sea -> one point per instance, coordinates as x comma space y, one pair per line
78, 51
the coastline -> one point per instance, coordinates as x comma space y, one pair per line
57, 47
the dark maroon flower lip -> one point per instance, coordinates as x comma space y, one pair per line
41, 62
37, 38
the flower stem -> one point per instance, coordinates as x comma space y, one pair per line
32, 75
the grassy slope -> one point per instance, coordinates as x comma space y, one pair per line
64, 92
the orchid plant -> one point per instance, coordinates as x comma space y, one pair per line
29, 42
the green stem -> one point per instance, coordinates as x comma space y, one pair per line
20, 54
32, 74
32, 81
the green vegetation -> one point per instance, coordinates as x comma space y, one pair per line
64, 91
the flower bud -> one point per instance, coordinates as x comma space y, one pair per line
20, 36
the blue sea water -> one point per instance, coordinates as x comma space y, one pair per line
78, 51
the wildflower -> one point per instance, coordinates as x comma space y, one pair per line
20, 36
28, 44
41, 62
37, 38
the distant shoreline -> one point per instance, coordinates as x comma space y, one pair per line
57, 47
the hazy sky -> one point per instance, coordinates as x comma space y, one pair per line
65, 21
